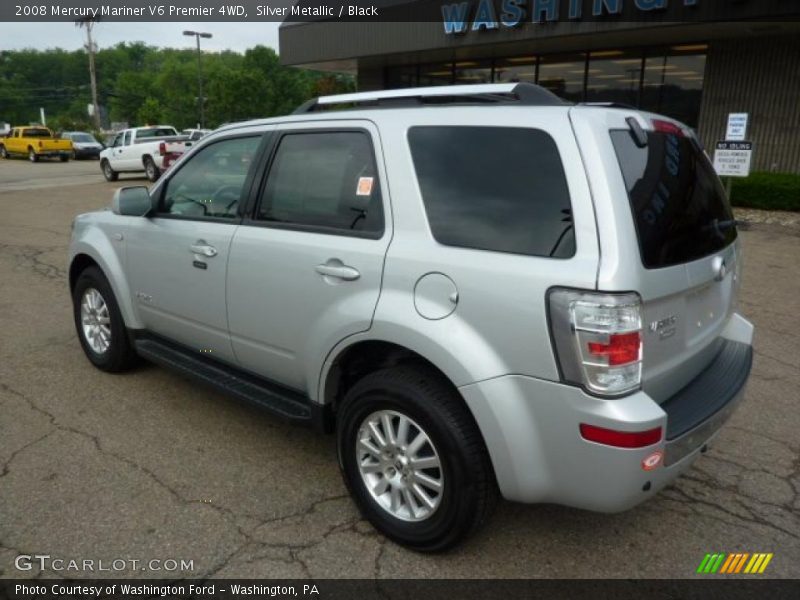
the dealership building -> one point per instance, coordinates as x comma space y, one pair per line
695, 60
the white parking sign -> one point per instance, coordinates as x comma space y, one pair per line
732, 159
737, 127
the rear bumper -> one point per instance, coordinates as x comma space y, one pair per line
86, 152
531, 429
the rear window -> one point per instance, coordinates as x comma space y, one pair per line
494, 188
679, 206
43, 133
155, 132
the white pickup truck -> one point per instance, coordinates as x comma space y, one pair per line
139, 149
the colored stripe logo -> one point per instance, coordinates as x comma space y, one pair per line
732, 564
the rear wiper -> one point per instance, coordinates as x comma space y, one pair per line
719, 227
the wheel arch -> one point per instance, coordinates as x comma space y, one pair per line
85, 255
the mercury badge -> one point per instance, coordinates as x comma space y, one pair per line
665, 328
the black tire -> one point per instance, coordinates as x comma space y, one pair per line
120, 355
3, 152
63, 157
151, 170
32, 156
109, 173
470, 489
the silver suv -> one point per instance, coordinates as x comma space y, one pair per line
480, 289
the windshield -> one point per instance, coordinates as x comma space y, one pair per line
678, 203
155, 132
43, 133
83, 138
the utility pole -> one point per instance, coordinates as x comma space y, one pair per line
201, 100
88, 23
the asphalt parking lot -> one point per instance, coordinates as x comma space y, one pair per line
146, 465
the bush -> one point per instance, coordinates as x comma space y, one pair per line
767, 191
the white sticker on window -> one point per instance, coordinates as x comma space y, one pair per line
364, 187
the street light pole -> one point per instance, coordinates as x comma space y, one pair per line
200, 99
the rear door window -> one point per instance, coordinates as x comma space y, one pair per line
325, 181
678, 203
494, 188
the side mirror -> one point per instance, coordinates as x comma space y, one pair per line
132, 201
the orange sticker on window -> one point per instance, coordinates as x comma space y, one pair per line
364, 187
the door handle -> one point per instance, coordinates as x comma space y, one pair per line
338, 270
203, 249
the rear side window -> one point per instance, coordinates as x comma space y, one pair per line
679, 206
326, 180
494, 188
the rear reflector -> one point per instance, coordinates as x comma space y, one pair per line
620, 439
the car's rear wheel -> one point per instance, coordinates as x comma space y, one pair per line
109, 173
413, 458
98, 321
151, 170
63, 157
32, 156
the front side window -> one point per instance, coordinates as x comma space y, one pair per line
324, 179
210, 183
128, 138
494, 188
117, 141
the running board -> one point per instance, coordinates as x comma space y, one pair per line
288, 405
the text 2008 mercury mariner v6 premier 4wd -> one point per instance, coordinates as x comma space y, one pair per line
480, 289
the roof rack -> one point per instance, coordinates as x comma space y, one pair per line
526, 94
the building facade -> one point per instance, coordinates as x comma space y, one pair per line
738, 56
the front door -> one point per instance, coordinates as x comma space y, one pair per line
177, 259
305, 267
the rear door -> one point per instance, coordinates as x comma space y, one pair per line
305, 266
677, 238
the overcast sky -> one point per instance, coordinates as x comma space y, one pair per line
233, 36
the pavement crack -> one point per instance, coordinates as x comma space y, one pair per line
7, 464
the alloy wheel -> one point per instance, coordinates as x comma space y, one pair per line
95, 321
399, 465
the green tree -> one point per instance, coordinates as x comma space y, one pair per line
150, 112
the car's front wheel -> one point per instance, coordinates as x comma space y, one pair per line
3, 152
109, 173
413, 458
32, 156
99, 323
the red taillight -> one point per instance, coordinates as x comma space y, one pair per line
667, 127
620, 439
162, 148
621, 349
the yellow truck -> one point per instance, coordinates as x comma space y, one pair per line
34, 142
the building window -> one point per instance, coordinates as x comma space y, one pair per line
516, 69
673, 82
401, 77
563, 74
473, 71
614, 76
436, 74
